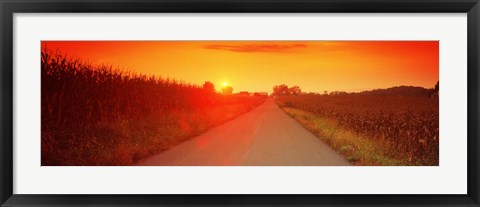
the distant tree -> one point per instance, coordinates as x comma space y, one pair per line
281, 90
401, 91
337, 93
295, 90
208, 86
437, 86
227, 90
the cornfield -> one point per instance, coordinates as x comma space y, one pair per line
409, 126
101, 115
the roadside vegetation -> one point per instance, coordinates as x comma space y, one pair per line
381, 127
102, 115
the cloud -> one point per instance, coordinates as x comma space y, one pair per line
270, 48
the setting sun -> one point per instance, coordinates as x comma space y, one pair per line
240, 103
317, 66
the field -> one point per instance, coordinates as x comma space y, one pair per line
371, 130
102, 115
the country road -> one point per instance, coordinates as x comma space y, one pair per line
265, 136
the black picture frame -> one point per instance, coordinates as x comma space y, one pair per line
9, 7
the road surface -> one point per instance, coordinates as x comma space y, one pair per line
265, 136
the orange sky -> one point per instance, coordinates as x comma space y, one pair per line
259, 65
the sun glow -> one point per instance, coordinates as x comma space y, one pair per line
257, 66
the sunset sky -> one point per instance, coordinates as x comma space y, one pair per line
257, 66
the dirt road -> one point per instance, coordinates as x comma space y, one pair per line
265, 136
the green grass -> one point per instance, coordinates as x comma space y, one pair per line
357, 149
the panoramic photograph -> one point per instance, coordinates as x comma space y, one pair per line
240, 103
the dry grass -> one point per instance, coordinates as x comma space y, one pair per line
100, 115
372, 130
358, 150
